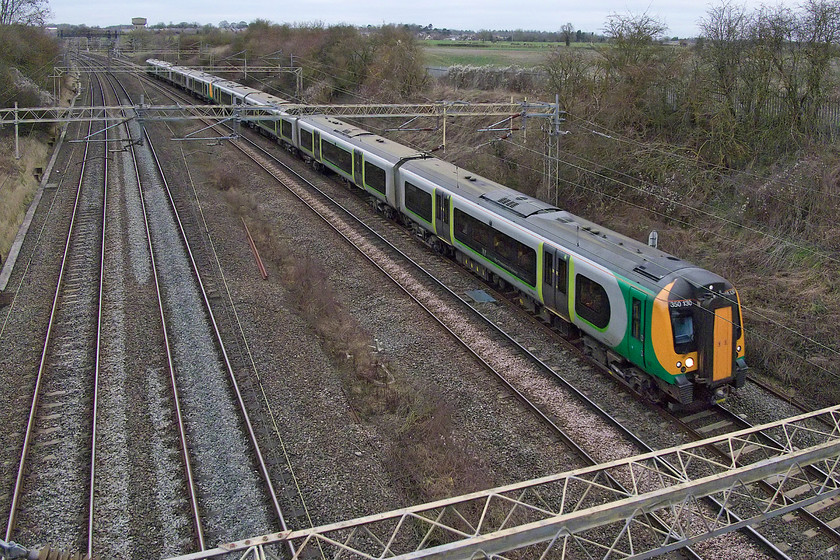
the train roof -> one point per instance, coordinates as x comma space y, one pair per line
623, 255
382, 147
482, 190
262, 98
156, 62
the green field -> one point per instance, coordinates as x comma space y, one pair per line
484, 53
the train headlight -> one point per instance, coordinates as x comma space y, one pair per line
689, 362
679, 365
738, 348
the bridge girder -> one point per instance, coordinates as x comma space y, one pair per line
566, 514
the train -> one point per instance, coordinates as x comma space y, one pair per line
670, 330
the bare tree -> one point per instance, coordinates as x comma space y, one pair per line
569, 74
24, 12
800, 46
724, 48
634, 40
566, 32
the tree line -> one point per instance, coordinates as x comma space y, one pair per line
717, 95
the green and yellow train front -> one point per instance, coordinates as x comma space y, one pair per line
695, 347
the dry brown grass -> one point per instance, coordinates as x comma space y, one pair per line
422, 456
17, 184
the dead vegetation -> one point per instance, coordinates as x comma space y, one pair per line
422, 456
17, 185
744, 183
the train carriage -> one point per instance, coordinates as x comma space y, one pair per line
665, 326
367, 160
273, 105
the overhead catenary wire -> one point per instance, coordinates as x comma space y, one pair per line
606, 177
618, 137
771, 342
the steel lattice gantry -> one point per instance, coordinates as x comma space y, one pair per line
246, 112
579, 514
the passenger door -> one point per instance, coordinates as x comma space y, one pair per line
442, 216
357, 168
638, 314
549, 279
555, 280
316, 145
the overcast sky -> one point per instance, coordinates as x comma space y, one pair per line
681, 16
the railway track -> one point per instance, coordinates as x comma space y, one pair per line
448, 321
429, 293
196, 350
94, 441
719, 420
60, 435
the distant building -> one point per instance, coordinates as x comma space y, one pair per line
138, 22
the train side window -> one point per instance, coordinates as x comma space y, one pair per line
286, 128
592, 302
548, 268
512, 255
306, 140
337, 156
636, 321
375, 177
418, 201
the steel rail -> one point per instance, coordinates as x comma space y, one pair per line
263, 467
812, 518
177, 404
628, 433
185, 454
27, 441
95, 404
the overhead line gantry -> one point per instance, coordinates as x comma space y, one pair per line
580, 514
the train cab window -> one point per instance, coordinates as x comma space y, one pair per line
306, 140
375, 177
592, 302
682, 324
418, 201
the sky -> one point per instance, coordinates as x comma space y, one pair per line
680, 16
